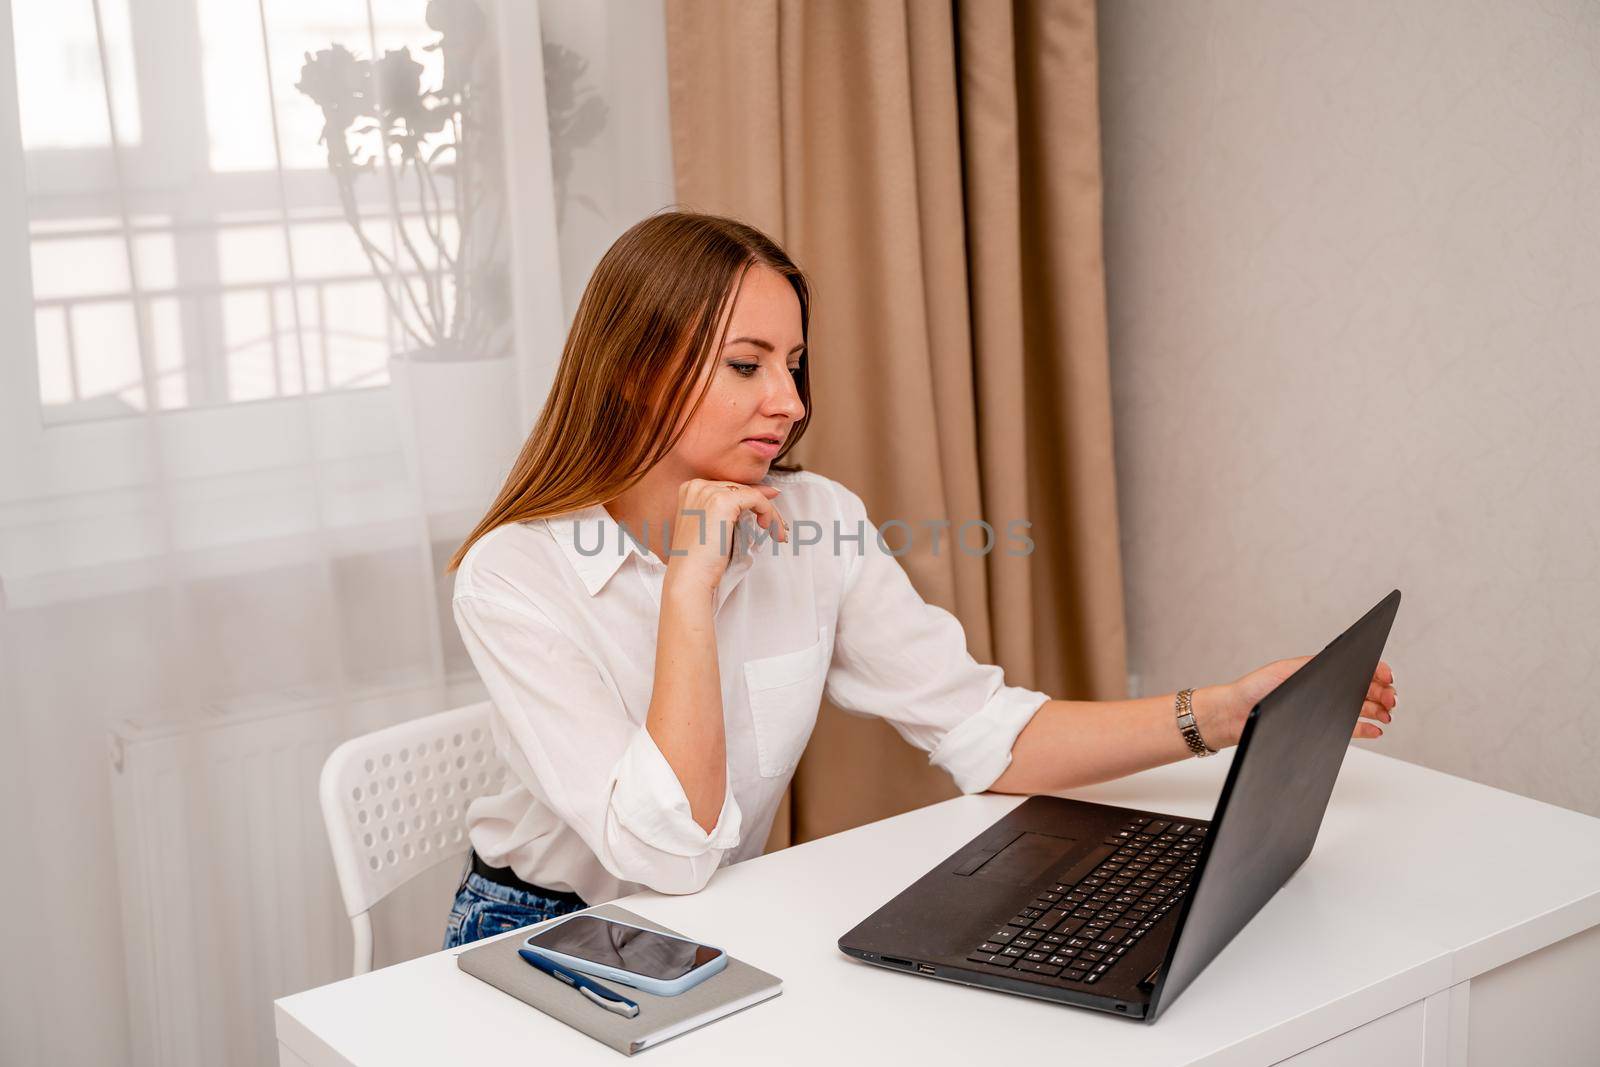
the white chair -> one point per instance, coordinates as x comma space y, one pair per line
395, 803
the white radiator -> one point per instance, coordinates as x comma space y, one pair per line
229, 899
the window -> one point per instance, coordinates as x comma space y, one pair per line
197, 365
186, 245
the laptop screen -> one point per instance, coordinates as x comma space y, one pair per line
1276, 793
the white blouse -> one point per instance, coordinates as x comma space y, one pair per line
560, 617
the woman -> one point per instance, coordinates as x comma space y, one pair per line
655, 643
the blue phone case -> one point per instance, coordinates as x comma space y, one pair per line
664, 987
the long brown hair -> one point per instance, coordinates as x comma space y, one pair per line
641, 336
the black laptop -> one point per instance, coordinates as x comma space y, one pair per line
1120, 910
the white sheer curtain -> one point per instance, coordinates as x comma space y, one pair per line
225, 507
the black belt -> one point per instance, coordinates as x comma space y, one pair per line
507, 877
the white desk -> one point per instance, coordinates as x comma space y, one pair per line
1421, 888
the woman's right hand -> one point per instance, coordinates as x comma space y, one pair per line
702, 535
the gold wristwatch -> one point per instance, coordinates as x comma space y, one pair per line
1186, 725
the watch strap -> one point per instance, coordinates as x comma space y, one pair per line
1189, 728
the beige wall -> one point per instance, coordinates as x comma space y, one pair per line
1354, 263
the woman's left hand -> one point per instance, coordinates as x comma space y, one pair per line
1378, 707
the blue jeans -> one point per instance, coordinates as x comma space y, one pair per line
483, 908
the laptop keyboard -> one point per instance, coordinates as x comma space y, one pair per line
1096, 912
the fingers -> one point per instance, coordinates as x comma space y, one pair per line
724, 502
1381, 696
1378, 707
756, 499
700, 489
771, 519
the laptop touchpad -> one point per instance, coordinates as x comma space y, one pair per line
1028, 858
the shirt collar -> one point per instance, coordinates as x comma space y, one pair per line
596, 546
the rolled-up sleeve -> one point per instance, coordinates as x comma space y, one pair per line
565, 733
899, 658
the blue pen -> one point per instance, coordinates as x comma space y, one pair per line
606, 998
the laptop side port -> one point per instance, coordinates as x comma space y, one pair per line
895, 961
925, 969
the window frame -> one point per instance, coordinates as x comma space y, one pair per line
169, 167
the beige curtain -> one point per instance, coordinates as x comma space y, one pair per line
935, 168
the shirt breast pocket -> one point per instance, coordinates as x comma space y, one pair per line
785, 692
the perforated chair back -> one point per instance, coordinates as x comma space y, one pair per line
395, 804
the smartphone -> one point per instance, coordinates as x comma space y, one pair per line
654, 962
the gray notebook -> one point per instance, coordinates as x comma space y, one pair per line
735, 988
